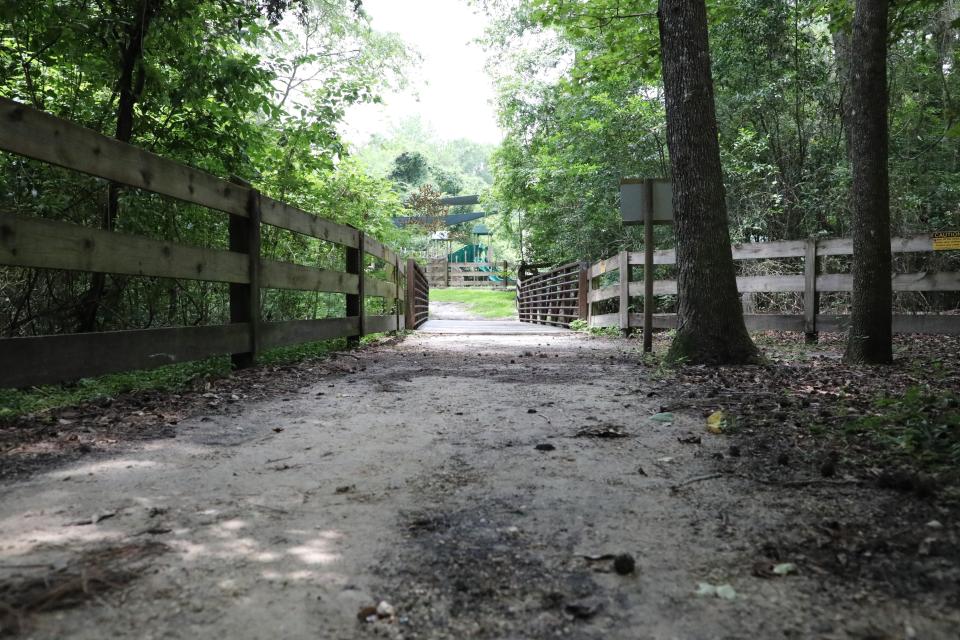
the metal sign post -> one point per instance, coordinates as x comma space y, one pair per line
647, 201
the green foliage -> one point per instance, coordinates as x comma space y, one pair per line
173, 378
580, 101
224, 85
410, 168
920, 424
487, 303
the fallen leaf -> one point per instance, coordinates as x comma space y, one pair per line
716, 422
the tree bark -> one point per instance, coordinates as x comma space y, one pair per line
871, 332
711, 328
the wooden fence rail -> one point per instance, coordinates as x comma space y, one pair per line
570, 292
443, 273
811, 283
47, 244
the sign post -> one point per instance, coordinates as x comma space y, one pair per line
646, 201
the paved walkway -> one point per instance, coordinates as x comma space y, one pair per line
488, 327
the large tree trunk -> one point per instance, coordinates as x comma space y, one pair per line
871, 332
711, 328
130, 85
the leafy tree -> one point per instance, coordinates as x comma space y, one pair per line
228, 86
410, 169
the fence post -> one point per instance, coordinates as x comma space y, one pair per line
397, 289
355, 303
446, 272
583, 292
245, 298
506, 277
623, 260
811, 299
410, 304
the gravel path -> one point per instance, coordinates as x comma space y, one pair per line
479, 485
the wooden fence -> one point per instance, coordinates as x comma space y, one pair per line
48, 244
555, 301
443, 273
553, 297
418, 295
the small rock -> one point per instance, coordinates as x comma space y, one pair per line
545, 447
584, 609
935, 524
829, 468
531, 410
734, 451
624, 564
385, 610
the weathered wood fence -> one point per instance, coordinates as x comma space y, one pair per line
545, 294
48, 244
553, 297
418, 295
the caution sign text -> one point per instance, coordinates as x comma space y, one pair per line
946, 241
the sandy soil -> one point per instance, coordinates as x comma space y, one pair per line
415, 478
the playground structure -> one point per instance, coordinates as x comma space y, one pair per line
471, 265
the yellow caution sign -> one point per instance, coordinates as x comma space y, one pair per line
946, 241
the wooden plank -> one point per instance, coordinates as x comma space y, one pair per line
583, 288
605, 293
378, 250
284, 216
920, 281
810, 296
34, 134
284, 275
382, 324
245, 298
379, 288
661, 256
51, 359
49, 244
355, 264
624, 266
281, 334
605, 320
908, 244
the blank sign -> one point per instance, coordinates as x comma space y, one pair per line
633, 200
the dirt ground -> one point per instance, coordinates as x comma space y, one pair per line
481, 486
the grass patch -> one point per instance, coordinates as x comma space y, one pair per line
172, 378
921, 424
486, 303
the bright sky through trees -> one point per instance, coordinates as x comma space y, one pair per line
449, 88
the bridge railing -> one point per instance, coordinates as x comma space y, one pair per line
48, 244
555, 297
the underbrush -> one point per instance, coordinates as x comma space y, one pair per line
921, 424
173, 378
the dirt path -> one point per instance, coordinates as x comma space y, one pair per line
416, 479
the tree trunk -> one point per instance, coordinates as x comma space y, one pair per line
130, 85
871, 331
711, 328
